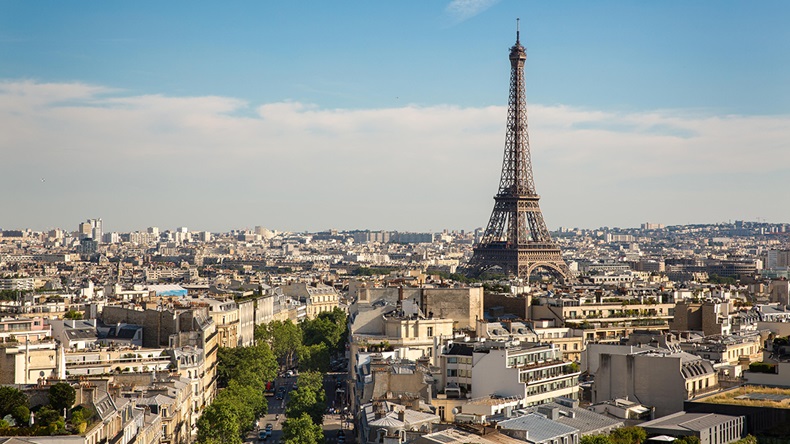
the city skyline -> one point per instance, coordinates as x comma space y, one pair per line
388, 116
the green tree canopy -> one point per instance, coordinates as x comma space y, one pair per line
49, 418
11, 399
628, 435
305, 401
284, 338
21, 414
310, 398
321, 330
62, 396
301, 430
314, 358
313, 381
257, 360
219, 424
73, 314
687, 440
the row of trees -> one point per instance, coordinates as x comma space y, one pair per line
311, 342
305, 410
242, 374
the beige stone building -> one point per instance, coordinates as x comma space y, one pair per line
104, 360
604, 322
29, 363
176, 328
225, 314
317, 298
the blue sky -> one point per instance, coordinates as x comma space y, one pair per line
389, 115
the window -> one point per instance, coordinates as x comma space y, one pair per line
430, 331
452, 360
452, 372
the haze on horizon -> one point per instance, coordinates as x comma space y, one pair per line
308, 116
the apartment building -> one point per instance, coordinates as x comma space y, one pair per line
663, 379
30, 362
534, 372
23, 329
318, 298
395, 325
606, 321
226, 317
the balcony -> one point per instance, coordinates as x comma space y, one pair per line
539, 364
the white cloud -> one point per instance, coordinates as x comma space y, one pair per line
460, 10
210, 163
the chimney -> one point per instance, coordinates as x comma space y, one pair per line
550, 412
400, 293
402, 414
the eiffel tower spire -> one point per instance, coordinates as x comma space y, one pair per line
516, 238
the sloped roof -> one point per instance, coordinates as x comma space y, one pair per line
539, 427
682, 421
585, 421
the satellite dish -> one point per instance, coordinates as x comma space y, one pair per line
456, 411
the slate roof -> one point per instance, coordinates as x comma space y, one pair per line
105, 407
585, 421
124, 332
81, 333
683, 422
539, 427
460, 349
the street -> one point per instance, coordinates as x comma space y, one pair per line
335, 388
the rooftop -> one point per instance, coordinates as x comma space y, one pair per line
752, 396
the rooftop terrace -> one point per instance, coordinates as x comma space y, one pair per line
751, 395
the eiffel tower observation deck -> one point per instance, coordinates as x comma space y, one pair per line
516, 241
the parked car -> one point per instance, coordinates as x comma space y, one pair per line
262, 435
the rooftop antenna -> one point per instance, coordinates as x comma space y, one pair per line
518, 31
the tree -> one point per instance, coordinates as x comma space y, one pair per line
305, 401
12, 398
314, 358
329, 327
247, 402
302, 430
257, 360
73, 314
21, 415
313, 381
284, 338
62, 396
628, 435
219, 424
595, 439
50, 418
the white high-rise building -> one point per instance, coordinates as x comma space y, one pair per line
96, 229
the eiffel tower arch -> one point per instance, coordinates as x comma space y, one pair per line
516, 239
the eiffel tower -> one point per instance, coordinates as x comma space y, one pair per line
516, 239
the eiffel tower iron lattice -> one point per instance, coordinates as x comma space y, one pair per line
516, 238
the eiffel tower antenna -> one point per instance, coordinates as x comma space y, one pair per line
518, 32
516, 239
